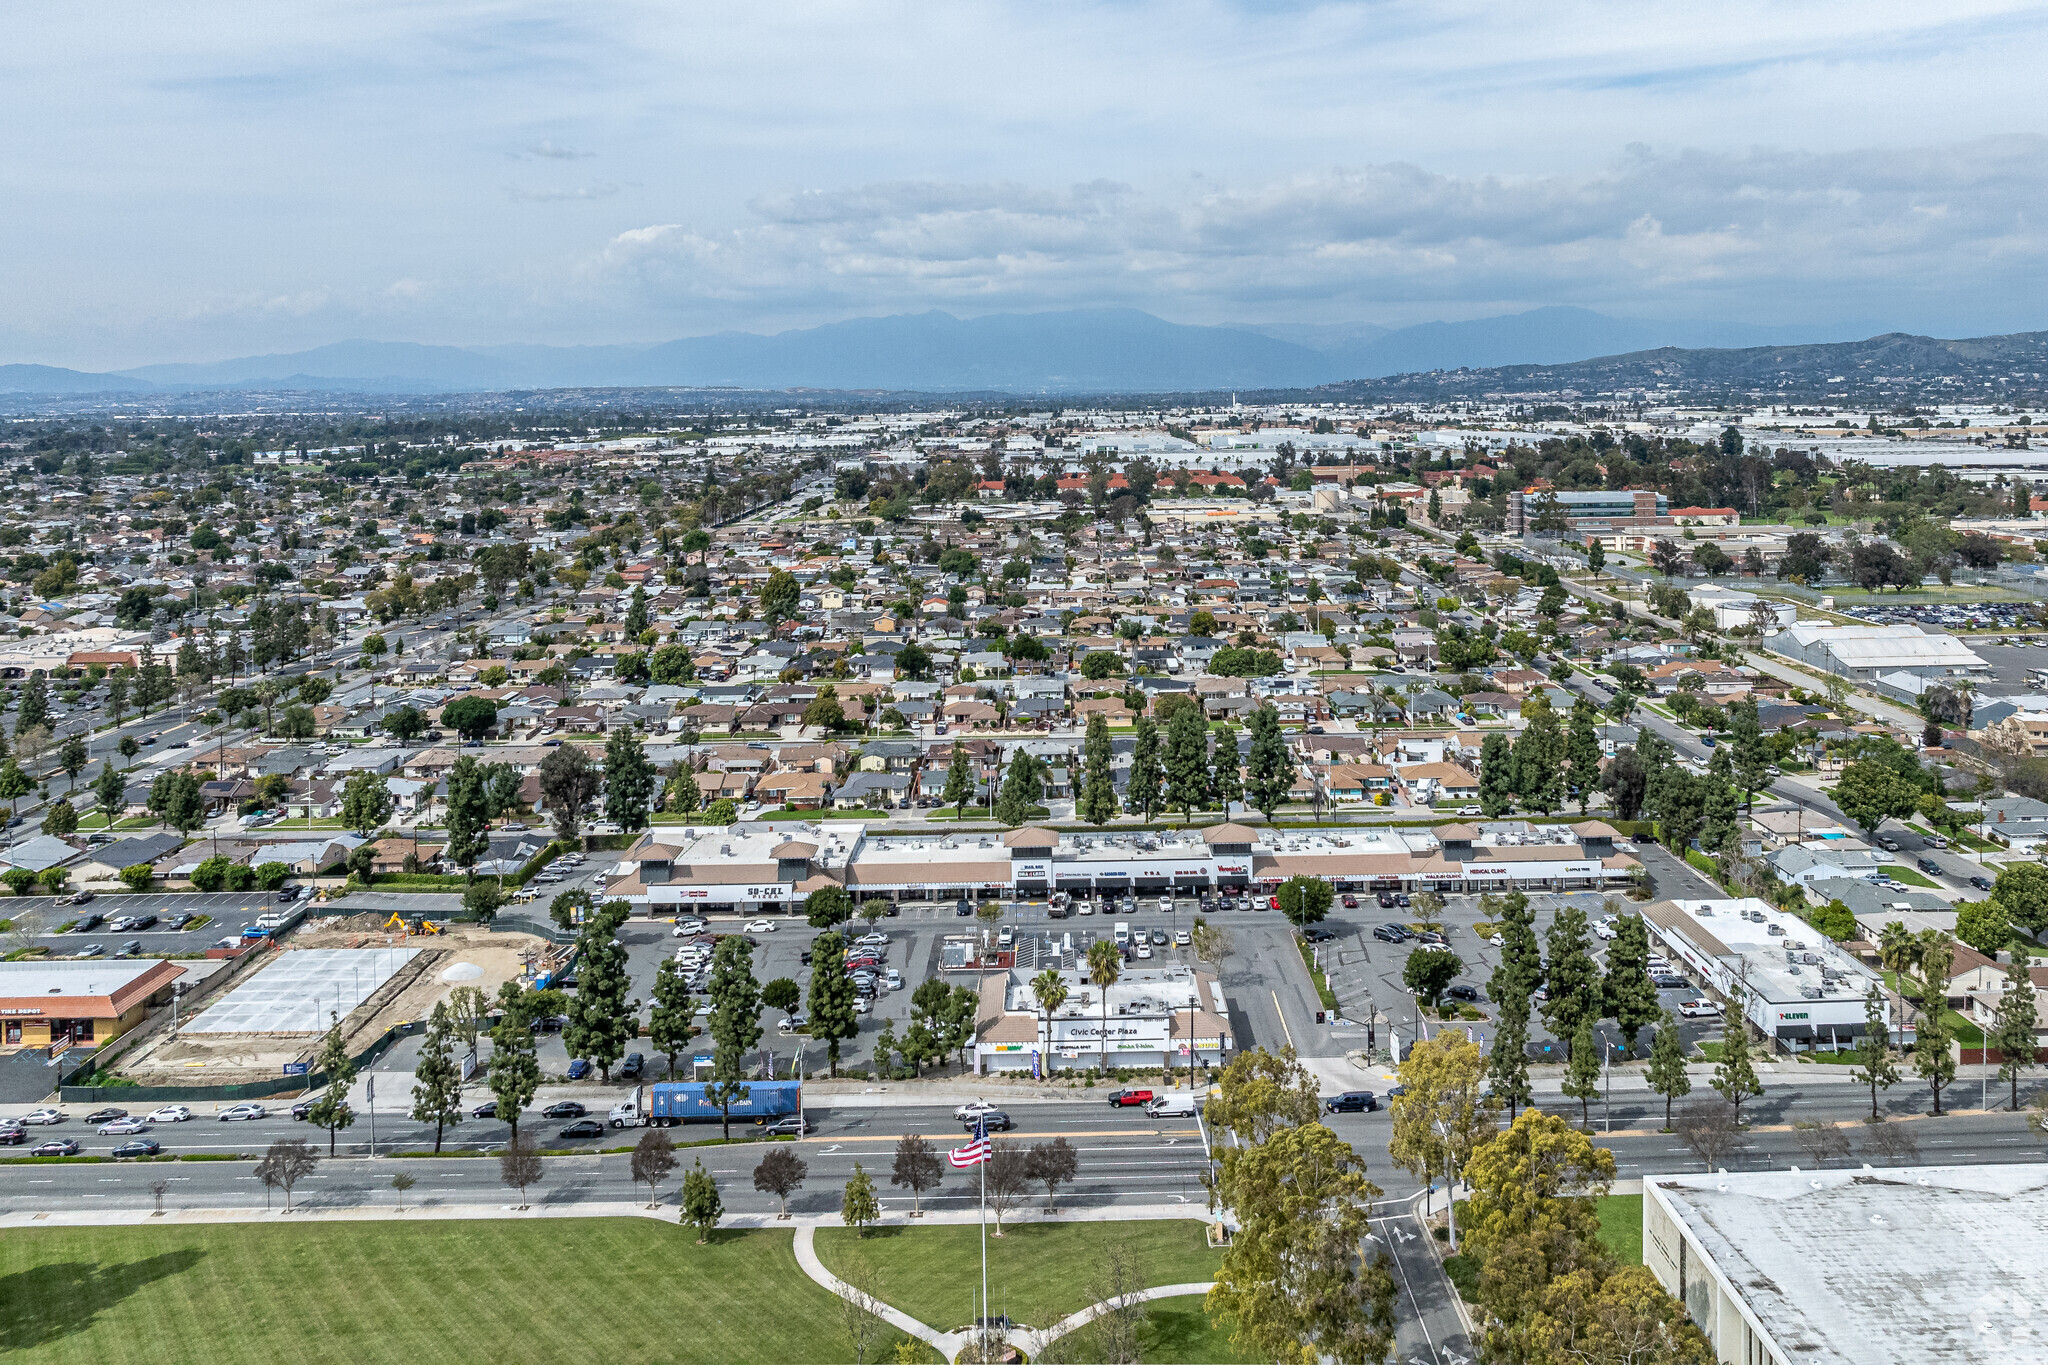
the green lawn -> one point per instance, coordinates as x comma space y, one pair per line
1621, 1227
1908, 876
1037, 1272
572, 1290
1177, 1332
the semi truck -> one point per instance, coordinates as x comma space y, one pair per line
667, 1103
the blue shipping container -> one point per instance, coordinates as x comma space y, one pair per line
684, 1101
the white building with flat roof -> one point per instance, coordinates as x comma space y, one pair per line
1873, 1267
1152, 1015
1800, 989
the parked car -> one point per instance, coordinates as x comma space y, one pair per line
1670, 981
1315, 935
242, 1113
137, 1147
965, 909
85, 924
55, 1147
632, 1066
1351, 1102
1392, 933
1386, 901
1181, 938
178, 921
93, 950
564, 1109
1124, 1099
579, 1068
760, 926
1462, 992
583, 1128
793, 1126
1351, 902
1929, 866
1888, 844
1981, 883
1699, 1009
1430, 938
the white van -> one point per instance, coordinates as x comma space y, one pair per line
1172, 1107
1123, 933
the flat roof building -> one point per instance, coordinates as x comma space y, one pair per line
1926, 1265
1152, 1015
79, 1004
1867, 652
1800, 989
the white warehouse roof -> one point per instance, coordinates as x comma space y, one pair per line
1883, 646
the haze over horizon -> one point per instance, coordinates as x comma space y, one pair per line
238, 182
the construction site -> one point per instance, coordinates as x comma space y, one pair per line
265, 1019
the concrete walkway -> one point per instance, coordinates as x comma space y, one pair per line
948, 1343
1031, 1343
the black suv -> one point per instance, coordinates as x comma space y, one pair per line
634, 1064
995, 1119
1462, 993
1352, 1102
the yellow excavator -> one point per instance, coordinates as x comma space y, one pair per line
416, 925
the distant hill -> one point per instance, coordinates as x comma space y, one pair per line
53, 379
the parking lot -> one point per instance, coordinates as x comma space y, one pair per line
225, 914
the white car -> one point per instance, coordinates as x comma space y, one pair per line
1181, 938
760, 926
43, 1117
871, 941
1497, 941
171, 1113
1603, 931
242, 1113
974, 1109
1145, 950
1005, 936
123, 1127
1699, 1009
893, 979
861, 1004
686, 927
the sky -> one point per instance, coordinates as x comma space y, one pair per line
191, 181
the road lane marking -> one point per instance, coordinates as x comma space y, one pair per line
1283, 1018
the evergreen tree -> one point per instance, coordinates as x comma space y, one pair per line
109, 790
1931, 1058
2012, 1031
629, 780
1097, 791
468, 812
1539, 758
959, 781
1667, 1064
1582, 749
1571, 974
635, 619
668, 1023
1630, 995
514, 1074
34, 709
1752, 754
1735, 1076
1496, 776
831, 996
702, 1206
601, 1020
437, 1080
1582, 1070
1270, 763
1187, 762
1876, 1067
1512, 988
1020, 788
1146, 790
1226, 781
1507, 1066
1719, 832
735, 1022
338, 1069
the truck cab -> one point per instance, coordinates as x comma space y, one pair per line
1123, 933
628, 1113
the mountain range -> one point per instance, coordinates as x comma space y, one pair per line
1077, 351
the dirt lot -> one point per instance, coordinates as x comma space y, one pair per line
229, 1059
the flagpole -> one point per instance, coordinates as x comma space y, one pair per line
984, 1253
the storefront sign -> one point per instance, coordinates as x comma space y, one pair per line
777, 892
28, 1009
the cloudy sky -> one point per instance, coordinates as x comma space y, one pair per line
188, 181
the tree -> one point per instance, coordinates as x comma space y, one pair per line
285, 1164
918, 1168
14, 783
1049, 988
668, 1023
1019, 790
1539, 758
1006, 1179
780, 596
1709, 1131
702, 1206
60, 817
1292, 1278
1260, 1092
1932, 1060
1582, 1069
1667, 1064
34, 710
1105, 965
1097, 803
1429, 972
653, 1161
781, 1173
1876, 1067
331, 1110
1441, 1114
858, 1205
781, 994
72, 758
470, 717
468, 813
514, 1074
629, 780
1144, 791
1269, 767
735, 1023
1629, 994
1871, 791
1735, 1075
366, 803
1496, 776
1820, 1141
406, 724
482, 900
437, 1080
2013, 1025
831, 996
601, 1020
828, 907
1305, 900
568, 779
1981, 924
1571, 974
1052, 1164
1187, 762
1582, 751
959, 789
2021, 887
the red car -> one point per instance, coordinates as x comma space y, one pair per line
1351, 902
1272, 902
1120, 1099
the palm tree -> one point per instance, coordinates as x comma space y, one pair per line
1051, 991
1105, 962
1896, 948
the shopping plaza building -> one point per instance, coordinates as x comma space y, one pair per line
760, 866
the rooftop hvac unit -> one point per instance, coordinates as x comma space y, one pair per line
1792, 969
1811, 992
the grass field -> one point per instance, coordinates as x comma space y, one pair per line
1038, 1273
1177, 1332
1621, 1227
1907, 876
576, 1290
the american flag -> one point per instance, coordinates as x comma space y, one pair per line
976, 1151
